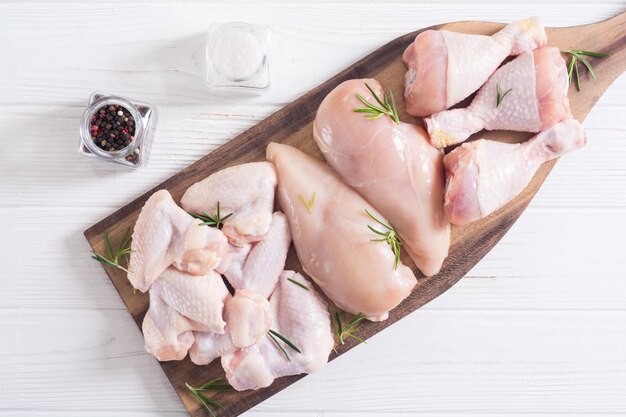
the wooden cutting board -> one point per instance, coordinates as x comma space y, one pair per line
293, 125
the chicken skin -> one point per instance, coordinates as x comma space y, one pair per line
246, 191
446, 67
299, 315
165, 234
392, 165
528, 94
329, 227
484, 175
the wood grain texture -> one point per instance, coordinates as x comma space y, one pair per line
292, 125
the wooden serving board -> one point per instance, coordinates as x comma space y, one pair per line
293, 125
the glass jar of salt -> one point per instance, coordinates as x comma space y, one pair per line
238, 57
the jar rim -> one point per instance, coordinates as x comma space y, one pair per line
92, 109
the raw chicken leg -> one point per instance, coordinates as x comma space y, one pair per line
446, 67
246, 191
383, 160
538, 99
299, 315
266, 259
484, 175
163, 234
179, 304
332, 238
248, 319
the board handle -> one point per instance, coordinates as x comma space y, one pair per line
608, 36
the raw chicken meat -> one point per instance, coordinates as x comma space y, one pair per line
167, 334
246, 191
446, 67
332, 238
538, 99
266, 260
179, 304
299, 315
383, 160
248, 319
199, 298
164, 234
484, 175
233, 262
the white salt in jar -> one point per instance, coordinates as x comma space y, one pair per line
238, 57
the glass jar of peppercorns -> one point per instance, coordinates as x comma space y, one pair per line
117, 130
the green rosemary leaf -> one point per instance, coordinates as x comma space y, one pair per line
386, 106
570, 68
588, 65
589, 53
500, 96
107, 244
348, 330
577, 76
390, 236
308, 203
209, 404
284, 339
279, 346
298, 284
114, 258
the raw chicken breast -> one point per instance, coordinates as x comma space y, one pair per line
163, 234
299, 315
266, 260
538, 99
248, 319
333, 241
484, 175
393, 166
246, 191
446, 67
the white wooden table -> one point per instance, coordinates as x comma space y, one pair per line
537, 328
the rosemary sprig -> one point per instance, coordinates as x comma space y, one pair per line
386, 106
308, 203
216, 220
298, 284
500, 96
113, 259
274, 335
348, 330
390, 236
579, 56
214, 385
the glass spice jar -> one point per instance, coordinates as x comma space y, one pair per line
117, 130
237, 58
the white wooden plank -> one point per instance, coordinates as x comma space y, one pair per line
489, 362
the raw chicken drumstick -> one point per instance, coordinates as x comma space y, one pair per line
484, 175
329, 227
446, 67
165, 234
535, 84
393, 165
302, 317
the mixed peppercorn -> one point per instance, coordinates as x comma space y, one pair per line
112, 129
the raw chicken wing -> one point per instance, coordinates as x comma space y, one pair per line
446, 67
484, 175
537, 99
299, 315
393, 166
266, 259
179, 304
164, 234
332, 238
248, 319
246, 191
